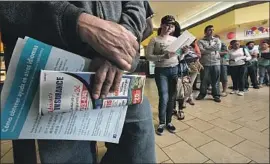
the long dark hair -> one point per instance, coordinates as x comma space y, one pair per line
177, 31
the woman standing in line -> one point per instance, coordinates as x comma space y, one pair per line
190, 56
194, 66
166, 71
264, 61
237, 59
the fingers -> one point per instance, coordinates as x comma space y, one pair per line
100, 77
117, 81
133, 40
108, 82
122, 63
107, 79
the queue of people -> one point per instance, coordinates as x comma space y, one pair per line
209, 57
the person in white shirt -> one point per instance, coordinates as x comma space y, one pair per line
166, 71
237, 60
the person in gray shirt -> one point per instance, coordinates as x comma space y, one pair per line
210, 47
108, 32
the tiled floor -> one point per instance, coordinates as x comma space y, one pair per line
233, 131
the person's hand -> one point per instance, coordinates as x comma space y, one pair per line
107, 77
185, 49
109, 39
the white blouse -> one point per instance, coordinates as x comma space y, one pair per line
237, 57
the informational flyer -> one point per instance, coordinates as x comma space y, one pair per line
21, 116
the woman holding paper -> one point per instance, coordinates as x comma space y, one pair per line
237, 59
166, 71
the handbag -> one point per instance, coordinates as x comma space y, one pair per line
183, 88
195, 67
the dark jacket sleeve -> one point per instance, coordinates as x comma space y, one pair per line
134, 19
52, 22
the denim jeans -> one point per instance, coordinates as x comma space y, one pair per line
166, 80
262, 73
238, 77
136, 145
210, 75
223, 73
251, 71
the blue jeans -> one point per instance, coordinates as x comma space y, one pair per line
262, 73
166, 80
251, 71
210, 75
136, 145
223, 73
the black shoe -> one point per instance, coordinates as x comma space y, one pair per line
200, 97
174, 112
256, 87
171, 128
160, 129
217, 99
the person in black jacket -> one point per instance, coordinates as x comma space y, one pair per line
107, 32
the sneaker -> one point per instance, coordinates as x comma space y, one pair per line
160, 129
217, 99
233, 92
241, 93
180, 115
223, 94
200, 97
245, 90
171, 128
190, 101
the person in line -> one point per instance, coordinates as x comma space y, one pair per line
190, 56
224, 62
108, 32
237, 59
210, 47
264, 61
166, 71
252, 69
194, 67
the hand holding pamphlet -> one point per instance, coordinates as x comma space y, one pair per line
40, 104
